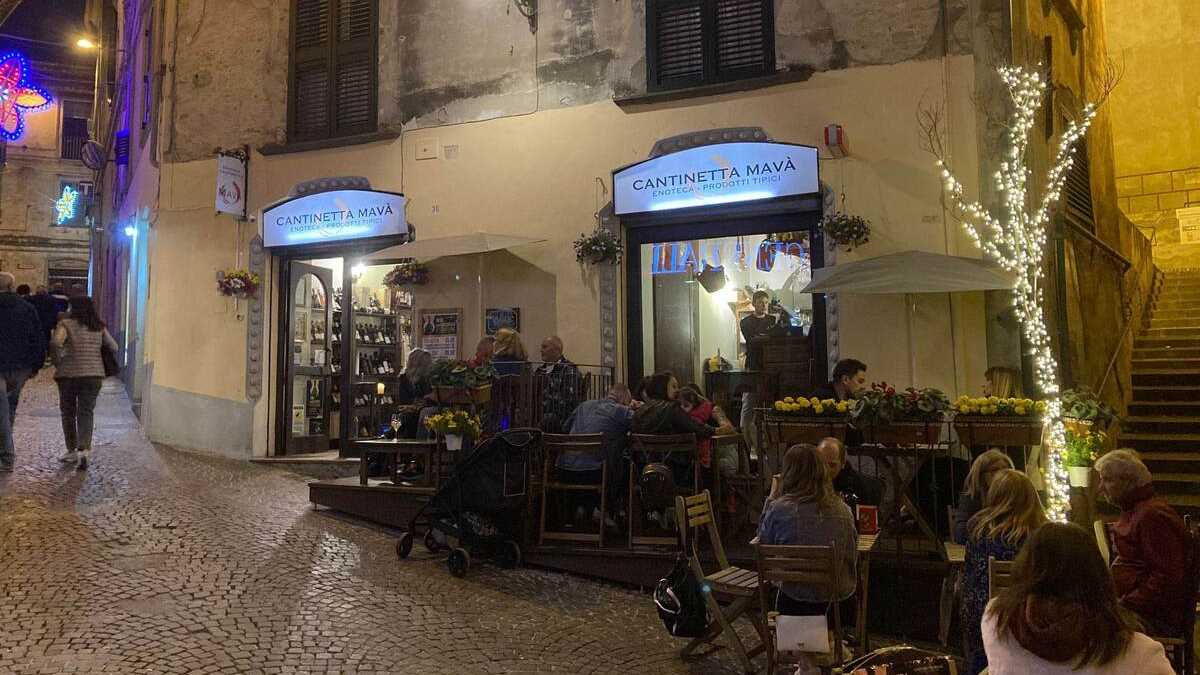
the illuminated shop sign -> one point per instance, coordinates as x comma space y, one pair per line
338, 215
709, 175
691, 257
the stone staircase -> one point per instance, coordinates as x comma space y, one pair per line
1164, 416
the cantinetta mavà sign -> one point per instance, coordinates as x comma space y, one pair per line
723, 173
337, 215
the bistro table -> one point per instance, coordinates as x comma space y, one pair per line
424, 449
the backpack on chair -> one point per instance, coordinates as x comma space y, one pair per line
680, 601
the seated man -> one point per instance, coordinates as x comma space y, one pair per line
849, 379
854, 487
1150, 552
612, 417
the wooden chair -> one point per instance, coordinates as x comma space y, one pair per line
554, 446
646, 449
1181, 649
729, 591
814, 566
999, 576
956, 555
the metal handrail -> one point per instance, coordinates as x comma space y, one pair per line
1112, 359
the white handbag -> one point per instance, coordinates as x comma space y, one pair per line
802, 634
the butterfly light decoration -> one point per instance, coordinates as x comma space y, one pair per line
17, 95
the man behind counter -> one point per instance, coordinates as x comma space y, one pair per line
758, 324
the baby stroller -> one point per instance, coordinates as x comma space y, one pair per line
478, 511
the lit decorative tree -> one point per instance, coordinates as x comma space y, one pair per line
1015, 236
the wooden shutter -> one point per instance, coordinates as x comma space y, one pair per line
745, 44
333, 79
675, 38
1077, 192
693, 42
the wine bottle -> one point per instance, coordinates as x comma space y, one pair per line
379, 369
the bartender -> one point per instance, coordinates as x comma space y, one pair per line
759, 324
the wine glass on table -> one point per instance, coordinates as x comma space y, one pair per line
396, 423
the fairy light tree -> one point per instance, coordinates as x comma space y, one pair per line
1015, 234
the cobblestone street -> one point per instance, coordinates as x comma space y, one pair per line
160, 561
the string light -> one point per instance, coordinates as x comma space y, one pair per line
1016, 239
17, 95
64, 207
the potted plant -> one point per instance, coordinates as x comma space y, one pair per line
845, 230
601, 246
808, 420
410, 273
458, 382
1082, 451
1084, 411
998, 421
238, 283
454, 426
911, 417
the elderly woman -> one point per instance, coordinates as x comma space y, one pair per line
509, 357
1151, 545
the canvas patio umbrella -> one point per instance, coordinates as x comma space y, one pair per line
909, 273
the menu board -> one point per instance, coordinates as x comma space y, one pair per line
441, 332
496, 318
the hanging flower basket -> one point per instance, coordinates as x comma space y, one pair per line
601, 246
407, 274
846, 231
238, 283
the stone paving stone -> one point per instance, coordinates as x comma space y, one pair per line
159, 561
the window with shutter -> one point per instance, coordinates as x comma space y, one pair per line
333, 69
695, 42
1078, 190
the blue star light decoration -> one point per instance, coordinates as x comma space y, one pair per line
65, 206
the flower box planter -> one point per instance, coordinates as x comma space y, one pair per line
991, 430
904, 433
792, 429
463, 395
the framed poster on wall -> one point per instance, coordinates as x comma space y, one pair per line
495, 318
441, 332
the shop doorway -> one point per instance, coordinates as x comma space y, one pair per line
346, 336
690, 284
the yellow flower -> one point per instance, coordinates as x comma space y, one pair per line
1040, 406
1028, 403
815, 401
993, 400
803, 403
779, 405
789, 399
1020, 410
827, 402
818, 409
842, 406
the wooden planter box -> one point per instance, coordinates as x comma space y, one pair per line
1001, 431
905, 433
792, 429
463, 395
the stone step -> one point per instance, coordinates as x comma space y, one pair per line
1167, 353
1161, 424
1168, 392
1166, 343
1189, 408
1183, 322
1166, 376
1177, 483
1160, 442
1171, 462
1174, 315
1174, 303
1172, 362
1187, 504
1188, 332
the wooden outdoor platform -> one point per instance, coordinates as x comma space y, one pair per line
379, 501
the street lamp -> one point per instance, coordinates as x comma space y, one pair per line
86, 43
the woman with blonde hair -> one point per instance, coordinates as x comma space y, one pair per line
509, 357
1002, 383
1011, 513
975, 489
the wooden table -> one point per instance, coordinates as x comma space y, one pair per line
395, 448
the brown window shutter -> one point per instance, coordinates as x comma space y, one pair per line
675, 35
744, 38
354, 74
1077, 193
310, 101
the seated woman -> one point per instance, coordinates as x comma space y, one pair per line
1060, 614
805, 511
661, 414
975, 490
414, 391
702, 410
509, 357
1011, 512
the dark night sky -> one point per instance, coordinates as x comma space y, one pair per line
58, 21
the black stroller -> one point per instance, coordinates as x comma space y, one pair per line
479, 510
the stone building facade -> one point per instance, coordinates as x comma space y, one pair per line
510, 117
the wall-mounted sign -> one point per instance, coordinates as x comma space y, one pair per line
337, 215
496, 318
723, 173
441, 330
1189, 225
231, 185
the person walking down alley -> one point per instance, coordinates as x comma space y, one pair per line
77, 342
21, 356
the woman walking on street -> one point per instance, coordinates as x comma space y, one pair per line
77, 341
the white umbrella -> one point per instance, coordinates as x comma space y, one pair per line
907, 273
424, 250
